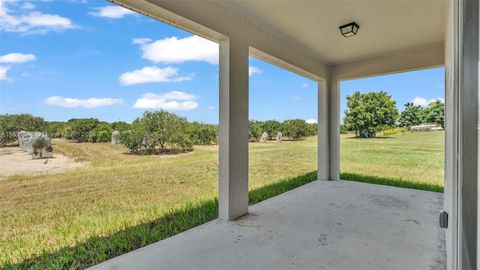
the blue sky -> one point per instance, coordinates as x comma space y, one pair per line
73, 58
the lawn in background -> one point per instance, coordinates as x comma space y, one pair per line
121, 202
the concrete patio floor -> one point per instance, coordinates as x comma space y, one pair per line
322, 225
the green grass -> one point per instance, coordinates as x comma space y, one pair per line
120, 202
416, 157
394, 182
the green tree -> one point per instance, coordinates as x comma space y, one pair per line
132, 140
255, 130
101, 133
203, 134
296, 129
370, 112
120, 126
411, 116
435, 113
11, 124
159, 131
55, 129
272, 127
80, 129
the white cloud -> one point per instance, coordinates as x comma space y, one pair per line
254, 70
305, 85
311, 121
31, 22
28, 5
3, 73
112, 12
141, 41
85, 103
180, 50
178, 95
16, 58
152, 74
424, 102
174, 100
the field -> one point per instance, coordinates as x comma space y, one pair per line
120, 202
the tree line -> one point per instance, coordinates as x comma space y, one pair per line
371, 112
157, 131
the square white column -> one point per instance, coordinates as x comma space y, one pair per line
323, 167
233, 130
334, 129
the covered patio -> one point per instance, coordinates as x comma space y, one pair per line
322, 225
331, 224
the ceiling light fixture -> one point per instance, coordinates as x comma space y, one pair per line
349, 29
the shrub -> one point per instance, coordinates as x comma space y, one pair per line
312, 129
255, 130
120, 126
11, 124
296, 129
102, 133
203, 134
132, 140
79, 129
55, 129
158, 132
391, 131
272, 127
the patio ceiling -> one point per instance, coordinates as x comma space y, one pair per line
386, 26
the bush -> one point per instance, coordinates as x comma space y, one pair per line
132, 140
272, 127
158, 132
79, 129
55, 129
296, 129
343, 129
11, 124
101, 134
312, 129
203, 134
391, 131
255, 130
120, 126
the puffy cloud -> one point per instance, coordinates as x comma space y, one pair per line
16, 58
174, 100
424, 102
112, 12
31, 21
152, 74
85, 103
311, 121
254, 70
3, 73
305, 85
179, 50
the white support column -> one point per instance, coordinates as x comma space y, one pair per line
233, 130
323, 145
334, 129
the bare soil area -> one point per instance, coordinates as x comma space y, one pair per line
13, 161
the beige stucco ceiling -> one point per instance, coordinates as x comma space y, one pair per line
386, 26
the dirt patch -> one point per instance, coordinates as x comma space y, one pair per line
13, 161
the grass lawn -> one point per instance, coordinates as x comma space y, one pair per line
121, 202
